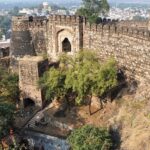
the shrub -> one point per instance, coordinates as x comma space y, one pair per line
9, 89
83, 75
90, 138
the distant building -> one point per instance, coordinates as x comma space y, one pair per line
45, 5
25, 11
61, 12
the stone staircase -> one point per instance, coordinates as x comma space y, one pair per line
38, 116
50, 120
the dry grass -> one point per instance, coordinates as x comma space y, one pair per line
135, 119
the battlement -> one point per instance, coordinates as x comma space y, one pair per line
65, 19
38, 21
111, 27
132, 28
20, 18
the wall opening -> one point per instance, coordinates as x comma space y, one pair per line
66, 45
28, 102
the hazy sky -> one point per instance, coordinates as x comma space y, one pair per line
120, 1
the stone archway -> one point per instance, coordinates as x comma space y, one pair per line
65, 41
66, 45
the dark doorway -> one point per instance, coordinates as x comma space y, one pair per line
5, 52
28, 102
66, 46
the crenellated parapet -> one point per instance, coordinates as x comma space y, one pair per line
111, 28
37, 22
20, 23
105, 25
63, 19
25, 23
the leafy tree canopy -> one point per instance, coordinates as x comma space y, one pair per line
92, 9
6, 118
9, 93
90, 138
81, 76
9, 90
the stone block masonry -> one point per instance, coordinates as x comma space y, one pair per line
129, 44
30, 69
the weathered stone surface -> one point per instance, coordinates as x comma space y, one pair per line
127, 42
131, 51
29, 73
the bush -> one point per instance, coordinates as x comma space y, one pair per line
9, 89
6, 118
90, 138
82, 75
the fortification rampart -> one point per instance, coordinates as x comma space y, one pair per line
129, 46
117, 29
128, 43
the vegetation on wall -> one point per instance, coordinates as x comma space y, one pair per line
92, 9
80, 76
90, 138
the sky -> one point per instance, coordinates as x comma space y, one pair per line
130, 1
120, 1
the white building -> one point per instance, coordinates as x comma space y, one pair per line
45, 5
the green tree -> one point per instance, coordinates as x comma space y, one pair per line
105, 78
90, 138
6, 118
88, 76
53, 84
82, 75
92, 9
9, 90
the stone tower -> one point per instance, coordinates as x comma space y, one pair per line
21, 40
30, 69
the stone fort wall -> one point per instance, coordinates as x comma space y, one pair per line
129, 44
